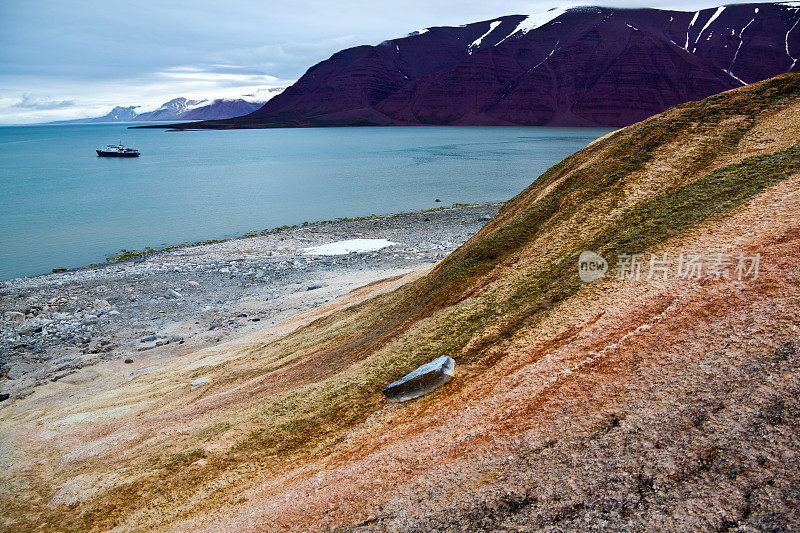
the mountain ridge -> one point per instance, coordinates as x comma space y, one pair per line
586, 66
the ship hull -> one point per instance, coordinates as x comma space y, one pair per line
101, 153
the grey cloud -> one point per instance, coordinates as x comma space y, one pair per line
287, 60
29, 102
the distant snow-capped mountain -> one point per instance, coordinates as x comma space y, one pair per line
118, 114
171, 110
185, 109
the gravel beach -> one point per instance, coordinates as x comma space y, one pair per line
161, 305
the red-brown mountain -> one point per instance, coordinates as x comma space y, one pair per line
587, 66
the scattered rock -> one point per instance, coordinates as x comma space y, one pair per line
197, 383
62, 375
4, 396
484, 218
437, 200
14, 316
100, 346
33, 328
422, 380
75, 313
214, 326
128, 361
18, 370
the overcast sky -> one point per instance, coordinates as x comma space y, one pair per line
62, 59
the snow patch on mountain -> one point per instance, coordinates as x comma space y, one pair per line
536, 21
716, 14
262, 95
477, 42
738, 48
418, 32
694, 19
794, 59
539, 20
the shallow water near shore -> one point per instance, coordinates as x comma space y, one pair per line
62, 206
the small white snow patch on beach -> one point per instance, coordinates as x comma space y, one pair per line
349, 246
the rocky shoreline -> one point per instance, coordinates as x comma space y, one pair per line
167, 303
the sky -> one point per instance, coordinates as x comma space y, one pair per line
64, 59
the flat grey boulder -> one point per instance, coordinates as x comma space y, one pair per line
422, 380
172, 294
14, 316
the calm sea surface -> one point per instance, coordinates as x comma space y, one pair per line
62, 206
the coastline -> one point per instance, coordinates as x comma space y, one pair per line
146, 307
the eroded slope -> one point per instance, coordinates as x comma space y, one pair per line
647, 404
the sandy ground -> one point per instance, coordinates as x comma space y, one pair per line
147, 311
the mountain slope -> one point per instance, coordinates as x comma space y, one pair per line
642, 402
589, 66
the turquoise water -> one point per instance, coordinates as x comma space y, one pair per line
62, 206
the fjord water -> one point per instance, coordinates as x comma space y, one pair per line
62, 206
